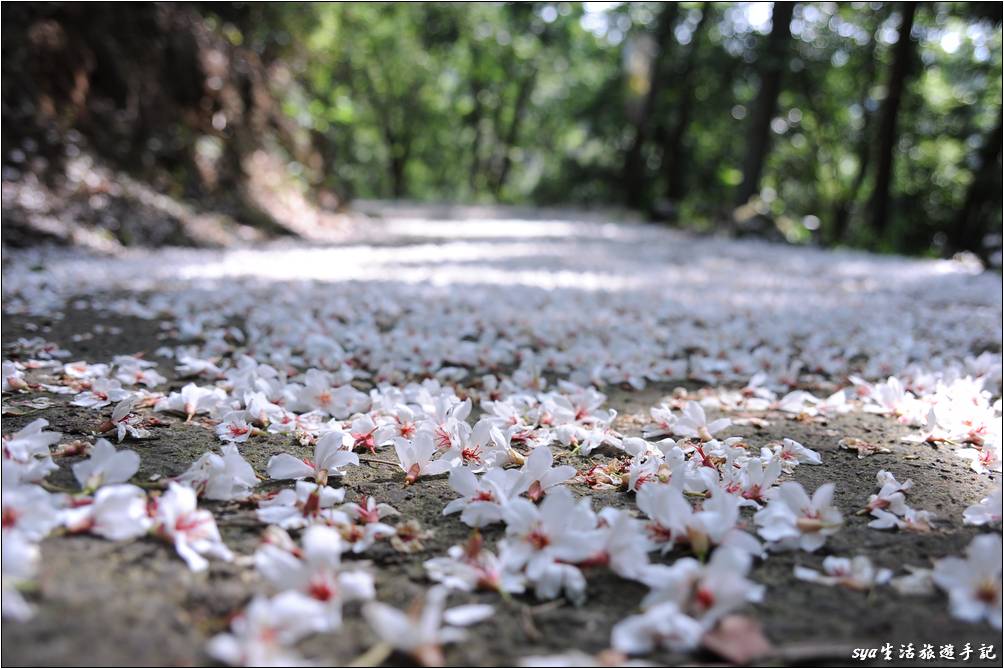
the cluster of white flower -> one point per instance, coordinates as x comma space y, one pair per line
106, 506
890, 509
499, 391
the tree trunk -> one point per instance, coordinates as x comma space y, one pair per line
674, 154
512, 134
898, 74
634, 167
982, 199
773, 64
842, 211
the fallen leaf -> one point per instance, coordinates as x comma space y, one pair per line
861, 447
755, 421
738, 639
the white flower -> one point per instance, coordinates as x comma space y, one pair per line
192, 400
102, 393
909, 519
626, 546
857, 573
367, 528
125, 422
793, 453
308, 503
470, 567
754, 480
136, 371
368, 510
234, 427
341, 402
693, 423
662, 626
264, 633
917, 582
225, 477
793, 520
415, 456
193, 531
316, 571
546, 542
13, 378
330, 455
421, 634
983, 459
117, 513
105, 466
705, 592
28, 510
483, 498
260, 410
891, 496
189, 366
973, 584
27, 451
537, 476
986, 512
19, 558
663, 422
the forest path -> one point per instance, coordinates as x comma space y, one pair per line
623, 283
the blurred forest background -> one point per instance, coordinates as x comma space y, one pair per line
866, 124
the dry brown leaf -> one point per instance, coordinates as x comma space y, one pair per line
861, 447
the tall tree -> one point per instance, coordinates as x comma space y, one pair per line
634, 165
899, 72
674, 152
863, 151
773, 63
983, 199
511, 139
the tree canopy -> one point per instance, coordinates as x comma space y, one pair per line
867, 124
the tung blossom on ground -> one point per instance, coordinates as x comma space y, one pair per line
330, 457
193, 531
792, 519
117, 512
857, 573
417, 457
490, 388
988, 511
305, 504
973, 583
694, 423
105, 466
263, 634
222, 477
316, 571
546, 542
26, 453
423, 633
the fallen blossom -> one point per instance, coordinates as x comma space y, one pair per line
792, 519
856, 573
193, 531
307, 503
263, 634
988, 510
973, 583
422, 634
117, 512
105, 466
223, 477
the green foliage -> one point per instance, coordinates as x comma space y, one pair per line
540, 103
